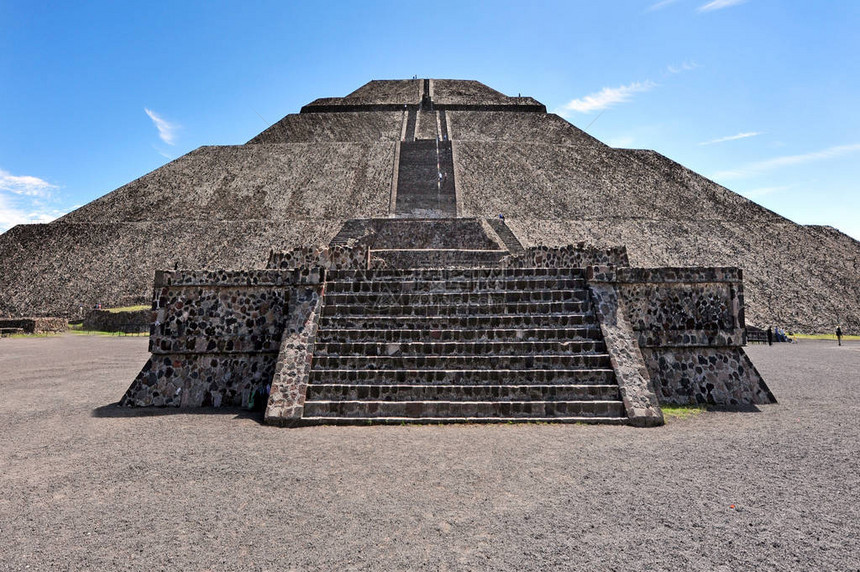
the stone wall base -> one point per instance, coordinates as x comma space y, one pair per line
722, 376
202, 380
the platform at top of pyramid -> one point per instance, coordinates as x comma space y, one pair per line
444, 93
297, 183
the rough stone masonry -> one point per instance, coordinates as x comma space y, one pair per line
423, 313
435, 251
297, 183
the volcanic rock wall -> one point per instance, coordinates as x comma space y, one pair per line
215, 337
689, 326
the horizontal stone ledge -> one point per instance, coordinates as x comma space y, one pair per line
384, 250
690, 338
157, 352
232, 278
686, 275
325, 106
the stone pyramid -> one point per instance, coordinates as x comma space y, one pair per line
356, 157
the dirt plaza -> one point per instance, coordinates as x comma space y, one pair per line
87, 485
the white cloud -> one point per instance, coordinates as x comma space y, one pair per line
605, 98
25, 185
788, 161
166, 130
744, 135
25, 199
686, 66
163, 153
719, 5
660, 5
12, 212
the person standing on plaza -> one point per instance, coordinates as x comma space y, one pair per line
839, 335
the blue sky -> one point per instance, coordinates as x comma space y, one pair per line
759, 95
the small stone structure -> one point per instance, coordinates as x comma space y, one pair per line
131, 321
33, 325
439, 267
337, 335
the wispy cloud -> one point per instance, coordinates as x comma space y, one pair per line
163, 153
762, 191
12, 215
166, 129
686, 66
620, 142
744, 135
788, 161
719, 5
25, 199
605, 98
25, 185
660, 5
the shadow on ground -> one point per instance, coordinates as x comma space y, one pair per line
114, 410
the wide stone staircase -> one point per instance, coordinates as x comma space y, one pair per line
420, 191
468, 345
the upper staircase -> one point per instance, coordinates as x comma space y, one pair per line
460, 344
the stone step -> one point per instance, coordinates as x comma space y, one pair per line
320, 420
411, 116
438, 258
581, 333
451, 298
465, 362
477, 309
504, 409
480, 348
422, 274
346, 392
479, 322
554, 376
453, 285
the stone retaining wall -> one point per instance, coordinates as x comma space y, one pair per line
107, 321
219, 338
579, 255
216, 336
689, 325
35, 325
330, 257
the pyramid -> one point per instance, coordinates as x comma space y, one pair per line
434, 251
299, 181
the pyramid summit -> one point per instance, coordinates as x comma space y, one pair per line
425, 149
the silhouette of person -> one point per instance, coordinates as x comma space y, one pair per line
769, 336
839, 335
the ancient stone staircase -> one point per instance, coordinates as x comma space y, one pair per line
420, 191
448, 345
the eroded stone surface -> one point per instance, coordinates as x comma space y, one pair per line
295, 184
706, 376
580, 255
637, 390
290, 380
689, 324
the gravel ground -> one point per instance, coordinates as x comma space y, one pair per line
85, 486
